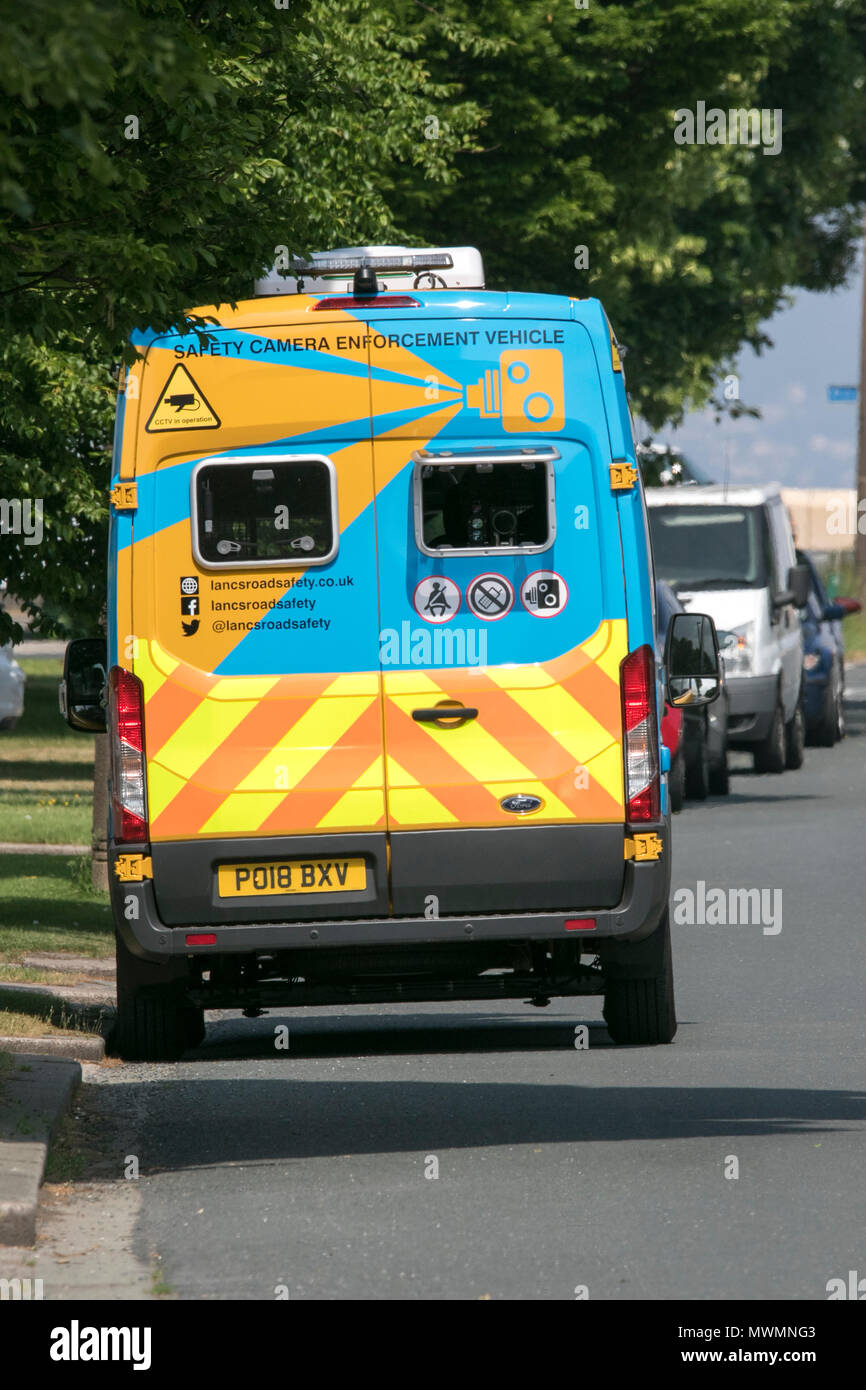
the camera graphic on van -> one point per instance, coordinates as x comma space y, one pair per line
544, 594
183, 400
526, 391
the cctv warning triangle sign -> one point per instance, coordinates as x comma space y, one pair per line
181, 406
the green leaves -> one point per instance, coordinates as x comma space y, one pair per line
154, 154
690, 247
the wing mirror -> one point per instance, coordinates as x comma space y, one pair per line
797, 592
692, 664
83, 689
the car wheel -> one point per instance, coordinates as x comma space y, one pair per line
698, 771
642, 1011
677, 781
840, 712
828, 729
769, 756
7, 725
795, 738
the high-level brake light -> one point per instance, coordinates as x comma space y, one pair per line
640, 735
381, 301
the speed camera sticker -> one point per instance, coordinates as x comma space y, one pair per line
436, 599
544, 594
490, 596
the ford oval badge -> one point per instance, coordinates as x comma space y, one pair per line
521, 805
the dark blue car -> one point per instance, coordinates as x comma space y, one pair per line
823, 659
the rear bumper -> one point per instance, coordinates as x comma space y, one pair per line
641, 904
752, 702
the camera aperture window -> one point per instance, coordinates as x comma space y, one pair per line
264, 512
487, 507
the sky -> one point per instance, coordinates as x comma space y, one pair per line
802, 440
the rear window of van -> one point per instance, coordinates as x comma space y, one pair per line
264, 512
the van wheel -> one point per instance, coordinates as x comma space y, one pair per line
155, 1020
795, 738
770, 755
642, 1012
832, 726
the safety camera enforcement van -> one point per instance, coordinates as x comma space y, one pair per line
380, 685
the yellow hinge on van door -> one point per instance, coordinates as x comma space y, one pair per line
641, 847
622, 476
124, 497
132, 868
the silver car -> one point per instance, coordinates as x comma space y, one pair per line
12, 682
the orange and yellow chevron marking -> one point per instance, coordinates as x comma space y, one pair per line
552, 730
233, 756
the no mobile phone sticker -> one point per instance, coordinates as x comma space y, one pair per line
490, 596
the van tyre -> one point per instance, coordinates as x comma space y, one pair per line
155, 1020
832, 726
795, 739
642, 1012
770, 754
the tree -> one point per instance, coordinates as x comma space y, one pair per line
153, 153
152, 156
689, 247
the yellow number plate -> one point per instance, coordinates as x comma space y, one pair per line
275, 877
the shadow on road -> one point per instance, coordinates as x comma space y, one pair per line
402, 1035
242, 1120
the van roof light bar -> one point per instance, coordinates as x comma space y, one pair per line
364, 268
377, 269
425, 260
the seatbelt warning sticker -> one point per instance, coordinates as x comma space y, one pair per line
436, 599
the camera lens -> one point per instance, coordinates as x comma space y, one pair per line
504, 522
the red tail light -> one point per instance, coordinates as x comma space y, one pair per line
640, 729
128, 793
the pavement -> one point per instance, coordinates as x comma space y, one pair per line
50, 649
36, 1092
41, 1080
14, 847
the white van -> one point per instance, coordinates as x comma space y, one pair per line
730, 552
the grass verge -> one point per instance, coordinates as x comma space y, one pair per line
46, 768
46, 904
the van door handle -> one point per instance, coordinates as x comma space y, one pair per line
455, 715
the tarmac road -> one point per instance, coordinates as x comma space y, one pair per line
303, 1173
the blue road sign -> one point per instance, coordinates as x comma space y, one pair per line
841, 393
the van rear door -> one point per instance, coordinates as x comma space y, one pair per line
502, 594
